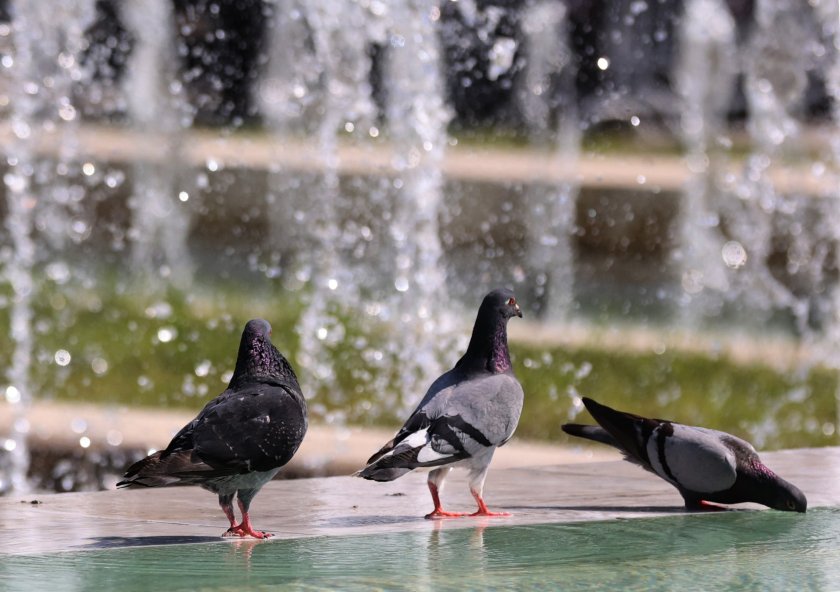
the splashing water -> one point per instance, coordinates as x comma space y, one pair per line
548, 100
705, 73
46, 65
156, 107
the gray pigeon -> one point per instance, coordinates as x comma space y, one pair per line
466, 414
704, 465
241, 438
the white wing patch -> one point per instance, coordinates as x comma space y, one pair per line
695, 457
418, 438
429, 454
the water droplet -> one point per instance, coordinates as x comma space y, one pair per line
84, 442
184, 196
114, 437
88, 169
99, 366
67, 112
603, 63
9, 445
734, 255
78, 425
12, 395
166, 334
62, 357
635, 121
203, 368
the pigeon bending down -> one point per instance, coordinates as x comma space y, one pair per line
466, 414
241, 438
704, 465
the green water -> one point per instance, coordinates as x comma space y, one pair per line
739, 550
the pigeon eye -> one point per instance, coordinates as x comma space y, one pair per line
512, 302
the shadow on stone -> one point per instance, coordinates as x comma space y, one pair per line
114, 542
350, 521
610, 509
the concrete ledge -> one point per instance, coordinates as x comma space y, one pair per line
341, 506
56, 430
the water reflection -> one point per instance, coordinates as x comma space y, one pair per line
728, 551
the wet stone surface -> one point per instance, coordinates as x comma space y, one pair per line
343, 506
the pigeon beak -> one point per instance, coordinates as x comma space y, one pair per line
517, 310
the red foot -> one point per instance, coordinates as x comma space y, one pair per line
489, 514
439, 513
705, 506
243, 530
482, 507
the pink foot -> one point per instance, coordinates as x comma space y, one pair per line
482, 507
243, 530
489, 514
439, 513
705, 506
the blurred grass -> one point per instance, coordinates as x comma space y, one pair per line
114, 337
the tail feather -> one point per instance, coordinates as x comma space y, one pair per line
157, 470
401, 460
384, 450
629, 430
590, 432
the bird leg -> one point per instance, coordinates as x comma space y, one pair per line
435, 483
477, 476
703, 506
245, 528
226, 502
482, 507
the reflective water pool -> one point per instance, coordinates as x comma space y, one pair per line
738, 550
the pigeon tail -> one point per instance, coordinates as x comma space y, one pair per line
589, 432
630, 431
177, 468
152, 471
405, 457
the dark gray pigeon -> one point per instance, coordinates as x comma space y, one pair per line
704, 465
465, 415
241, 438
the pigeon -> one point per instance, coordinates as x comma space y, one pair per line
465, 415
241, 438
704, 465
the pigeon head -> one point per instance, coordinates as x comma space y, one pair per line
786, 497
500, 303
258, 360
488, 349
774, 492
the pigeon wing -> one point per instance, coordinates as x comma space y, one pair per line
693, 458
482, 411
257, 428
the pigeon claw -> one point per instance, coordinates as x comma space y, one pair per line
489, 514
704, 506
438, 514
242, 531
